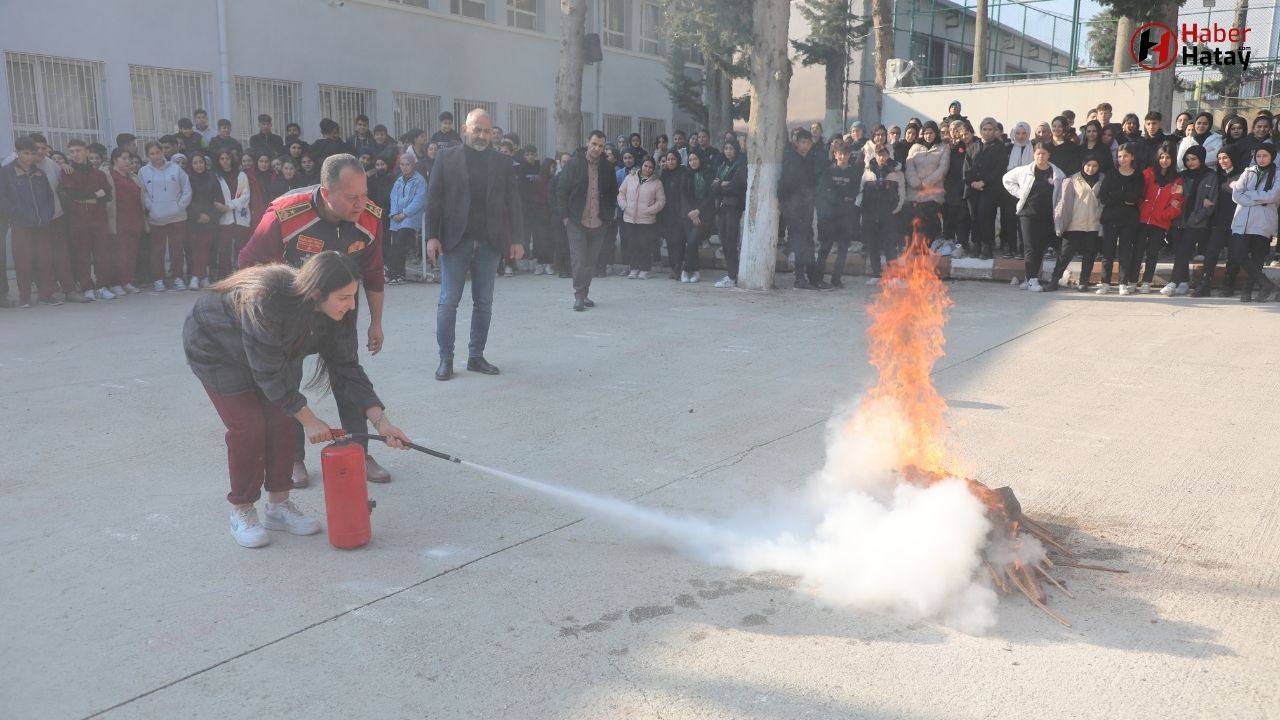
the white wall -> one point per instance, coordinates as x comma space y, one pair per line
362, 43
1030, 100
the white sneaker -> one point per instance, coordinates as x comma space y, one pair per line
694, 277
633, 275
1183, 289
104, 294
537, 270
624, 272
204, 283
1145, 288
159, 286
117, 291
129, 288
1024, 285
1168, 289
193, 284
873, 281
684, 277
1033, 285
286, 516
89, 296
1103, 289
1198, 258
1126, 289
726, 282
508, 272
245, 527
644, 275
178, 284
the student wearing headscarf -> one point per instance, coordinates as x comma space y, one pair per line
1020, 153
1224, 212
1257, 195
927, 163
1190, 229
1202, 135
1077, 217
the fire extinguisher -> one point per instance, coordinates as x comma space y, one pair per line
346, 497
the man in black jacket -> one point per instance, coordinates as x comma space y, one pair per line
266, 141
983, 185
473, 214
797, 189
586, 198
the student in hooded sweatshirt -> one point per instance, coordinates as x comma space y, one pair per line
1121, 195
1191, 228
166, 193
1160, 206
202, 218
926, 168
1038, 187
1077, 217
1204, 136
1020, 153
1257, 195
838, 220
1224, 212
881, 200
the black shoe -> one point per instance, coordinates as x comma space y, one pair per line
1052, 286
1266, 294
5, 302
820, 285
802, 283
445, 371
565, 275
1202, 290
1008, 255
1246, 295
480, 365
985, 256
579, 305
675, 275
50, 300
1082, 287
1226, 292
589, 302
836, 283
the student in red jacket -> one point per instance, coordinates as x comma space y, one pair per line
86, 193
1161, 205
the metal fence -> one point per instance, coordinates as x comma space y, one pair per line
62, 98
281, 99
415, 112
161, 96
345, 104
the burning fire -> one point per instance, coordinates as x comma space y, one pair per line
906, 333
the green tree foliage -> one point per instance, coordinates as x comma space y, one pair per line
834, 30
1102, 38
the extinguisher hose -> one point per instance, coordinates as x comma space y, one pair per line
341, 434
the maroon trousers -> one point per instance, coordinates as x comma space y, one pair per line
260, 444
200, 238
231, 240
171, 236
33, 261
125, 243
61, 249
93, 252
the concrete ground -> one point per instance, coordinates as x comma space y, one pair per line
1144, 430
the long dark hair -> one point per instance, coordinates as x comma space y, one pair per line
280, 300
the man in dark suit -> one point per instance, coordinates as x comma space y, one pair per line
586, 197
473, 213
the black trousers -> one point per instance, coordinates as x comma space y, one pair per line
1131, 241
1086, 244
398, 249
1155, 237
982, 210
694, 236
929, 213
605, 256
1219, 240
1185, 242
838, 231
1250, 251
1037, 233
800, 238
729, 226
540, 240
4, 268
639, 240
1009, 226
880, 237
956, 222
560, 237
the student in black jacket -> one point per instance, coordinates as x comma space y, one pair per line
984, 188
796, 190
730, 187
838, 219
698, 206
1121, 194
670, 227
1220, 229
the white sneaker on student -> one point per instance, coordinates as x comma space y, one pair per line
873, 281
1145, 288
694, 277
1024, 285
1033, 285
726, 282
204, 283
1183, 289
246, 529
1168, 289
633, 275
158, 286
1103, 289
178, 284
684, 277
89, 296
537, 269
194, 284
117, 291
644, 275
129, 288
104, 294
286, 516
1126, 289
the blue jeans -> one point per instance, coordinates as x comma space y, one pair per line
482, 260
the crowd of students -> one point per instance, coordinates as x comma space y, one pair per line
1115, 191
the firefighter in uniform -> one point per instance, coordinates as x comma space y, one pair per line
334, 215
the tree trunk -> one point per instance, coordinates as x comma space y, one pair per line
1161, 84
766, 140
980, 42
1231, 92
882, 17
573, 20
1124, 29
833, 120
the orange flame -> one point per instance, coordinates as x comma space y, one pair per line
906, 336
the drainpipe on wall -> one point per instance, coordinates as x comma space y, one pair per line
223, 63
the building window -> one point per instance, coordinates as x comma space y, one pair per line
469, 8
415, 112
522, 14
530, 123
650, 32
926, 53
615, 125
959, 64
462, 106
62, 98
344, 104
161, 96
651, 128
615, 23
281, 99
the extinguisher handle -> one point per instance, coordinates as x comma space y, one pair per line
339, 434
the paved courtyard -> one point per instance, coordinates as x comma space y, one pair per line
1144, 430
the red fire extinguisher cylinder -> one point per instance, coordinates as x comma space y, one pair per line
346, 497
